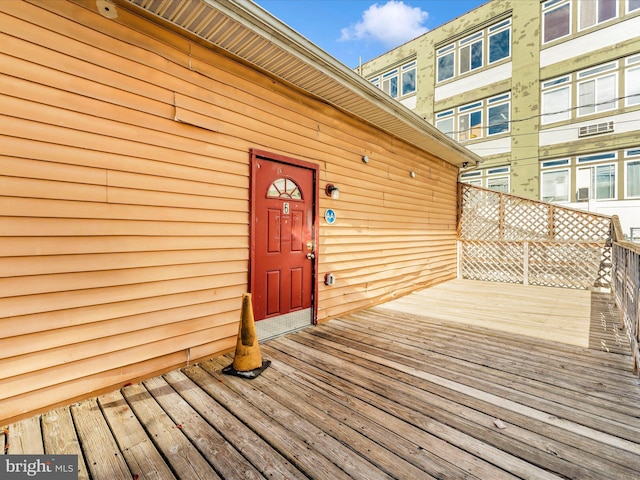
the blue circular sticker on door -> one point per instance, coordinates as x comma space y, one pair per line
330, 216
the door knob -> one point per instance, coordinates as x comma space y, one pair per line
311, 256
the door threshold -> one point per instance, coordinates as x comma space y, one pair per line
283, 324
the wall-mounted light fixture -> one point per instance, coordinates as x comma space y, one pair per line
465, 164
365, 159
332, 191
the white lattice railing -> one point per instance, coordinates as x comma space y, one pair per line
505, 238
626, 289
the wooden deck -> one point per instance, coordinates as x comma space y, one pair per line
399, 391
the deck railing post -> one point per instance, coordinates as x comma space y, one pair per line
459, 265
501, 217
525, 266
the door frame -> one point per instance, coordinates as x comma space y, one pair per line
255, 155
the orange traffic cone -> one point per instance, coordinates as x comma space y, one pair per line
247, 362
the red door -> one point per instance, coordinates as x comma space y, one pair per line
283, 235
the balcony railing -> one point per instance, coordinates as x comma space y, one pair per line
506, 238
626, 288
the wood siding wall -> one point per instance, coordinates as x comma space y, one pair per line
124, 228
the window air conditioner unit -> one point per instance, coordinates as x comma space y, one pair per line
595, 129
582, 194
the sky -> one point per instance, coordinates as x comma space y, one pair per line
353, 29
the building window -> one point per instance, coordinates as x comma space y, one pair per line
397, 82
500, 41
596, 182
498, 178
498, 114
594, 12
599, 93
556, 19
556, 163
409, 78
595, 175
472, 178
390, 83
598, 90
555, 185
632, 81
470, 52
632, 174
501, 184
556, 100
444, 123
446, 63
475, 51
470, 121
470, 118
632, 179
633, 5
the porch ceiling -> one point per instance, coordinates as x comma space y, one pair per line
246, 31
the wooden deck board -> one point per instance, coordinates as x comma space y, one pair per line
404, 390
59, 436
143, 458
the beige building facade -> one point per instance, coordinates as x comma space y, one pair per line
547, 93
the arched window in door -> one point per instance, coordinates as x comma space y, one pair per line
284, 188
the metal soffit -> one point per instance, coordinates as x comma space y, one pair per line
245, 30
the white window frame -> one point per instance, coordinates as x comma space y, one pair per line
498, 174
494, 30
550, 6
481, 36
405, 70
444, 52
387, 80
599, 104
567, 171
494, 102
499, 179
556, 162
447, 116
473, 177
581, 5
631, 156
476, 182
632, 66
453, 117
628, 6
469, 42
466, 134
593, 186
597, 75
553, 86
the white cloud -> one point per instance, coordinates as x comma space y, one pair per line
392, 24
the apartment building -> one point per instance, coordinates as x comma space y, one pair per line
546, 92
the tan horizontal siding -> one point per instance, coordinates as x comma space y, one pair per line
122, 313
16, 266
49, 245
124, 234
